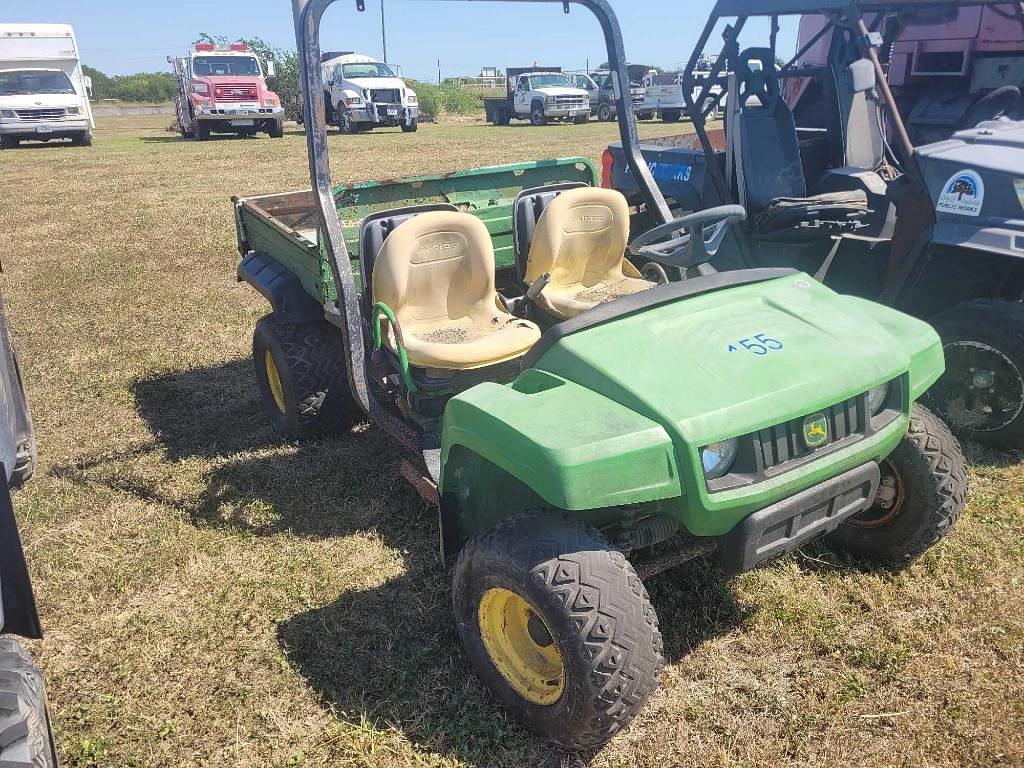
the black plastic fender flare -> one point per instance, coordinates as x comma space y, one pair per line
280, 287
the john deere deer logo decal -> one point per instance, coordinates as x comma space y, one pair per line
963, 194
815, 430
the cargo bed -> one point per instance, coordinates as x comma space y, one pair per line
285, 228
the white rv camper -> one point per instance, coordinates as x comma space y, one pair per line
43, 93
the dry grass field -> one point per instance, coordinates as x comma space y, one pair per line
214, 596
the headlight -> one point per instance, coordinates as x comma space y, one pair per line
8, 113
270, 102
73, 110
413, 99
877, 397
718, 457
549, 99
353, 101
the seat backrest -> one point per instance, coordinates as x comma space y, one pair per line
436, 266
529, 206
861, 116
374, 230
581, 235
767, 149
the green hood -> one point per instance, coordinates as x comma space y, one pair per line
727, 363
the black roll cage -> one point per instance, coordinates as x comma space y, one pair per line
848, 14
345, 312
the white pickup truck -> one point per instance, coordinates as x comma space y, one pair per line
538, 94
663, 96
361, 93
43, 93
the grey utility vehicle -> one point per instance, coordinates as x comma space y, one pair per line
936, 231
26, 740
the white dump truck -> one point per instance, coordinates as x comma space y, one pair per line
538, 94
362, 93
43, 94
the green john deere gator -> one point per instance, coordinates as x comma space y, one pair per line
577, 426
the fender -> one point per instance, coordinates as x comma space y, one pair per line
280, 287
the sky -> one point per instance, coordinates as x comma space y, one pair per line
124, 36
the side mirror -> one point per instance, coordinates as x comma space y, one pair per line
271, 68
88, 85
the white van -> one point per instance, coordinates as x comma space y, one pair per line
43, 93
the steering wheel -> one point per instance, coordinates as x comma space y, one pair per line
690, 240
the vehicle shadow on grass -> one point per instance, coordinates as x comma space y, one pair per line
388, 655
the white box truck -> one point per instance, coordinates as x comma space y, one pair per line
43, 93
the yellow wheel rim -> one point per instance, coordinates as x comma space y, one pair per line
521, 646
274, 380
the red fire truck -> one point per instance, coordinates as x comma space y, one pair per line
221, 90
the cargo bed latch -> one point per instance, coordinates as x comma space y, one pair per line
565, 6
360, 5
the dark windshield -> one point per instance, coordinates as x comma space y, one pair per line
204, 66
367, 69
20, 81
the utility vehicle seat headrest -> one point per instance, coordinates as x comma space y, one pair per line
529, 206
375, 230
760, 83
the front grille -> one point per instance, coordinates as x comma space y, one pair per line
40, 114
571, 102
785, 442
386, 96
235, 92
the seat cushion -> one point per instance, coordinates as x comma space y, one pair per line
570, 300
468, 343
435, 271
580, 240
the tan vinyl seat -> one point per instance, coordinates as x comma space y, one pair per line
580, 240
436, 273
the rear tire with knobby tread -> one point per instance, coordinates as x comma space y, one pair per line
932, 478
25, 737
597, 611
309, 359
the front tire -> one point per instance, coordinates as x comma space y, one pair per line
558, 625
671, 116
410, 127
923, 491
300, 373
25, 735
981, 394
276, 129
202, 131
9, 142
604, 113
537, 116
345, 122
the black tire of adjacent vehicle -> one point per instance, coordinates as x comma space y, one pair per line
671, 116
604, 113
83, 139
276, 129
25, 735
345, 123
202, 131
9, 142
593, 603
410, 127
309, 359
537, 116
997, 324
932, 478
